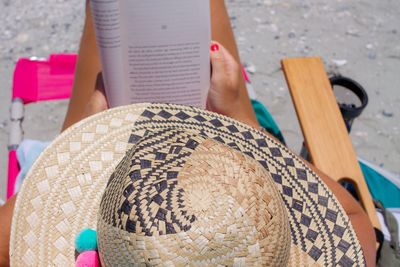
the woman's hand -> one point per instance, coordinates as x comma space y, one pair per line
97, 101
224, 96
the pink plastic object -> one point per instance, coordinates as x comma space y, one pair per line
13, 170
39, 80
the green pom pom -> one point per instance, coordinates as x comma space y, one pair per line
86, 240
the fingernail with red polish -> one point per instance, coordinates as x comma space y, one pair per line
214, 47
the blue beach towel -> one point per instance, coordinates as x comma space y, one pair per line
28, 151
383, 185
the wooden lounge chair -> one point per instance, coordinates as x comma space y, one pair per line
326, 137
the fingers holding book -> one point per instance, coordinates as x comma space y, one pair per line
224, 94
97, 101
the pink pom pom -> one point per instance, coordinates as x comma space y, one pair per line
88, 259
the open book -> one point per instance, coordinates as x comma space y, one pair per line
154, 50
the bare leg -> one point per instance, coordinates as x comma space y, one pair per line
87, 68
6, 212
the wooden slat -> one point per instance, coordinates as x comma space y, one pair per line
325, 133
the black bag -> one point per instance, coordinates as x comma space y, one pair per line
389, 251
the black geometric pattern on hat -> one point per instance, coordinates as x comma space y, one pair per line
150, 199
313, 216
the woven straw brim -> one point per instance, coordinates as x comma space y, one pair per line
62, 192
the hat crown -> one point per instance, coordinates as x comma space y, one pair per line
178, 197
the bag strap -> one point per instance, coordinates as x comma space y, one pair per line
391, 224
379, 238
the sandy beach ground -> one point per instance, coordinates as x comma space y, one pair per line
359, 39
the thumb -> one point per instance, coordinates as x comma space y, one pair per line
222, 63
98, 101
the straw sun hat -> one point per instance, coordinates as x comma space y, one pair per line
173, 185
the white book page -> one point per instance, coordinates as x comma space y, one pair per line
163, 54
107, 23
